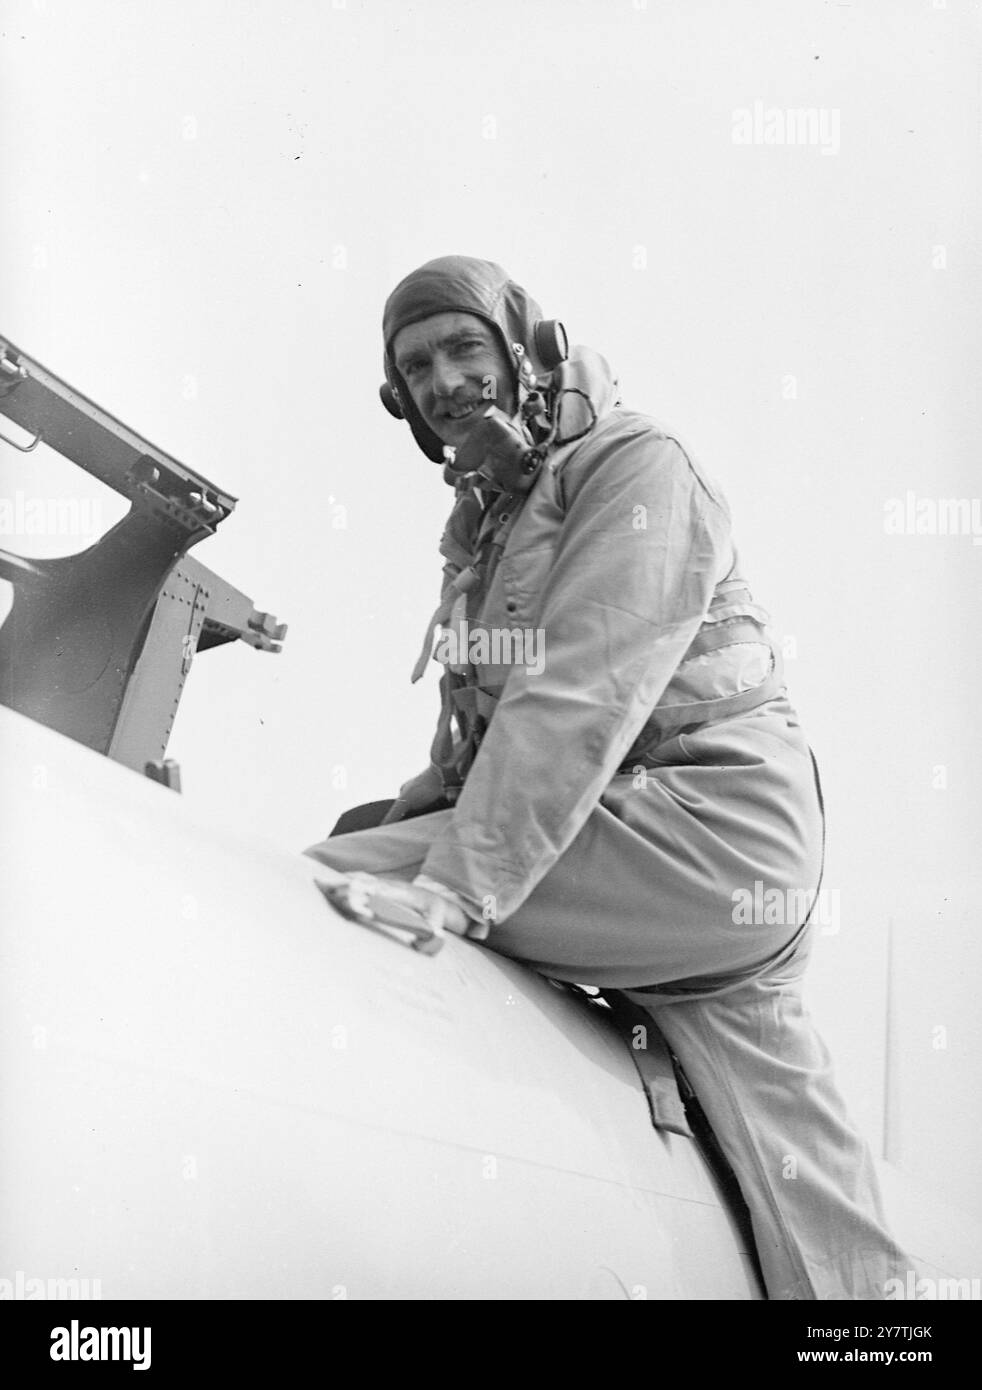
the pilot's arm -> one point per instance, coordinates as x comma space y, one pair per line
641, 549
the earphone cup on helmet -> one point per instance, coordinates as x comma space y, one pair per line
390, 401
551, 343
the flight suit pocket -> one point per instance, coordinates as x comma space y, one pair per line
523, 574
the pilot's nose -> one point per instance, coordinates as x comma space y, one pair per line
447, 376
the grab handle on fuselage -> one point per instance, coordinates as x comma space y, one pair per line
357, 903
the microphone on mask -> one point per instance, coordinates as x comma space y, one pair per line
498, 451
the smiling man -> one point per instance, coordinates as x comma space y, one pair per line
453, 365
604, 816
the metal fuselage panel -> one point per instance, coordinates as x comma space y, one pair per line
212, 1086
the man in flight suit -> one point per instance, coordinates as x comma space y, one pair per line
616, 810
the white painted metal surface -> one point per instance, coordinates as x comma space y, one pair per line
215, 1087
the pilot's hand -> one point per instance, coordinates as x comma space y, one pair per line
421, 790
439, 913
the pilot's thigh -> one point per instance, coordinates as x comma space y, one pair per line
686, 872
622, 909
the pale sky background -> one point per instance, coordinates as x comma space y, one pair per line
204, 206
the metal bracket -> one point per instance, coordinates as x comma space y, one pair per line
166, 771
40, 402
98, 644
174, 498
265, 632
15, 372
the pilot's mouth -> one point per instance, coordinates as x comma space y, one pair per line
461, 412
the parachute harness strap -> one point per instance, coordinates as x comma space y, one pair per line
452, 609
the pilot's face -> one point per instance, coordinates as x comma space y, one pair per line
453, 365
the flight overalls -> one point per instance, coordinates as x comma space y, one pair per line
635, 807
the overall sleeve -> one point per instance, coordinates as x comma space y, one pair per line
641, 548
